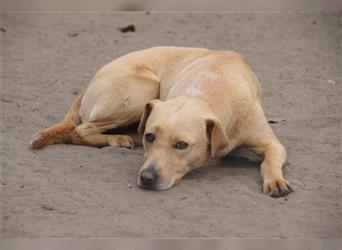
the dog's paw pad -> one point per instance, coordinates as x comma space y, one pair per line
37, 141
277, 188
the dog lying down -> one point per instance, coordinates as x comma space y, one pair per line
194, 106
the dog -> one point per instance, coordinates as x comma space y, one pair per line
194, 106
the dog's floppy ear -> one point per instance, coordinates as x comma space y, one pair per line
148, 109
217, 137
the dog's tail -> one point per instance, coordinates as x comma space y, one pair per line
60, 132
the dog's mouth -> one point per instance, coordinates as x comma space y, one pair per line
148, 187
153, 187
157, 186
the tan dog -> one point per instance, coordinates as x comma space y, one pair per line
209, 104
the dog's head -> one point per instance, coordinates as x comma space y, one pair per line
177, 137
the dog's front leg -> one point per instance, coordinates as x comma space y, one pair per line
274, 184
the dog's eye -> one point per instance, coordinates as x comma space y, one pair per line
181, 145
150, 137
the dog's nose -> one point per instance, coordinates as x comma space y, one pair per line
149, 176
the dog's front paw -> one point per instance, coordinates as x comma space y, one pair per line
277, 187
122, 141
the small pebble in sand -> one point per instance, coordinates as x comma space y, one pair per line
276, 120
129, 184
128, 28
47, 208
284, 200
73, 34
2, 29
331, 81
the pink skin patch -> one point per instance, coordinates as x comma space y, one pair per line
200, 82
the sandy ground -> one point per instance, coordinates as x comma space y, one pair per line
77, 191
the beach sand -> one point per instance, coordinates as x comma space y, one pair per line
79, 191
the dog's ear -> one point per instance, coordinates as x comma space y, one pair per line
217, 137
148, 109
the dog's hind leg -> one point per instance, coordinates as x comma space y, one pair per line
91, 134
60, 132
109, 102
